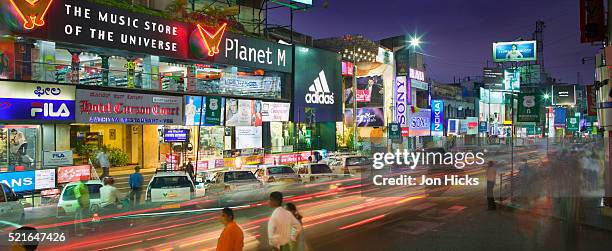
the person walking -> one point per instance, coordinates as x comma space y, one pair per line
102, 158
110, 197
81, 194
135, 181
299, 244
232, 237
491, 175
283, 227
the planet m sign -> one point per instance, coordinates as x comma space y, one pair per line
437, 117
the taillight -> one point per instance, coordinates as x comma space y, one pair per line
149, 195
61, 211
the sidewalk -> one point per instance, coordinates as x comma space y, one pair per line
124, 170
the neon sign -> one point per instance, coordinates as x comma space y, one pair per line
212, 41
32, 11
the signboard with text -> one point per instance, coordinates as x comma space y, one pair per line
30, 102
275, 111
401, 100
528, 107
370, 117
437, 117
176, 135
564, 95
29, 180
57, 158
514, 51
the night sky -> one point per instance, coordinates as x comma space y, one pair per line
459, 33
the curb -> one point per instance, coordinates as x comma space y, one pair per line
514, 209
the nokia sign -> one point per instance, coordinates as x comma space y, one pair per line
437, 117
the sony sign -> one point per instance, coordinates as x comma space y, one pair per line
437, 117
401, 98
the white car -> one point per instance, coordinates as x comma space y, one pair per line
170, 187
277, 174
235, 186
11, 208
315, 172
348, 164
68, 204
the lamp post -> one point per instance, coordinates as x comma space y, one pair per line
414, 43
546, 98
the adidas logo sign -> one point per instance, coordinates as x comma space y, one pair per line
318, 92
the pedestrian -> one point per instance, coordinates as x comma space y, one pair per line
110, 197
491, 175
135, 181
232, 238
190, 171
102, 158
283, 227
25, 244
299, 244
81, 194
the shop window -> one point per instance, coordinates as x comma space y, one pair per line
18, 147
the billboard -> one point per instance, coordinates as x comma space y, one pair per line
370, 90
419, 122
29, 180
437, 117
243, 112
493, 78
275, 111
104, 107
528, 107
317, 84
36, 102
401, 100
491, 97
248, 137
514, 51
564, 95
560, 116
370, 117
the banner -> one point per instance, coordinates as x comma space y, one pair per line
57, 158
248, 86
104, 107
68, 174
318, 83
370, 117
437, 117
592, 21
213, 110
248, 137
528, 107
29, 102
514, 51
243, 112
193, 110
29, 180
275, 111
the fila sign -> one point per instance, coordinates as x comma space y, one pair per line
36, 102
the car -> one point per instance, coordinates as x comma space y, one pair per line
276, 174
312, 172
67, 204
235, 186
170, 186
11, 208
351, 164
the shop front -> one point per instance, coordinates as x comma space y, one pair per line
129, 126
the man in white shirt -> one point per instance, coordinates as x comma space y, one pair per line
283, 227
110, 195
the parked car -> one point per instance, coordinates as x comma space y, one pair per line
351, 164
235, 186
170, 187
11, 208
312, 172
68, 204
276, 174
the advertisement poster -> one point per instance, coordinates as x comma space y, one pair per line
243, 112
68, 174
564, 95
420, 122
248, 137
512, 80
437, 117
57, 158
193, 110
44, 179
514, 51
370, 90
370, 117
493, 78
36, 102
104, 107
472, 125
528, 107
29, 180
248, 86
213, 110
401, 99
318, 84
559, 116
275, 111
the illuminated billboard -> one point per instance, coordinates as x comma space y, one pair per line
514, 51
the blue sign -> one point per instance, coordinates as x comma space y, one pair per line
560, 116
482, 126
176, 135
19, 181
36, 109
514, 51
437, 117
